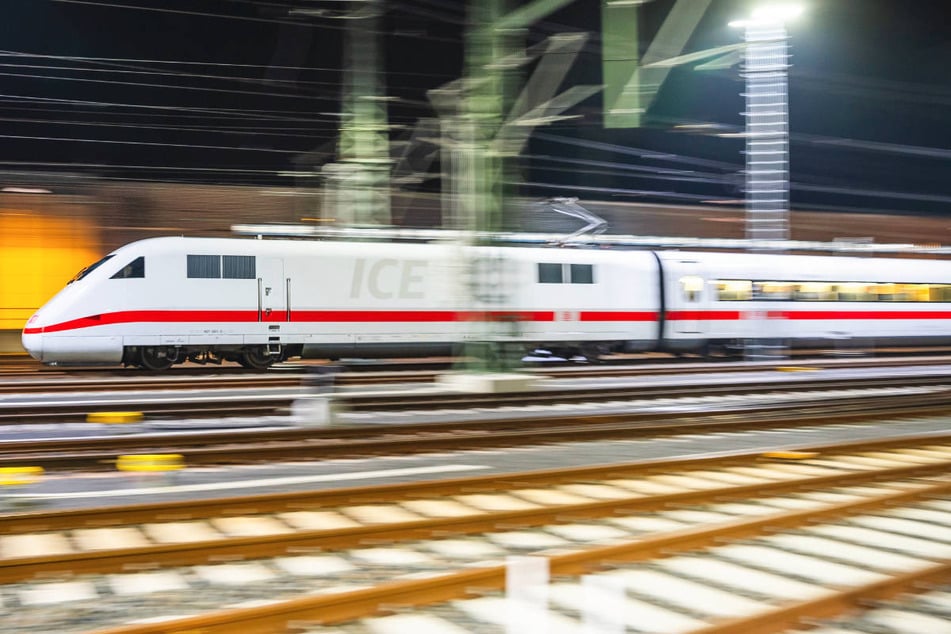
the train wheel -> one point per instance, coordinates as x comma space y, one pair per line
155, 359
592, 354
256, 358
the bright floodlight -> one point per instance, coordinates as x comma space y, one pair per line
771, 14
777, 13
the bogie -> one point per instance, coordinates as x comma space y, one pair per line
157, 358
258, 358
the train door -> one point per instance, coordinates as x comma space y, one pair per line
271, 298
690, 289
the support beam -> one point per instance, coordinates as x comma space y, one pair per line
359, 184
631, 84
532, 12
620, 57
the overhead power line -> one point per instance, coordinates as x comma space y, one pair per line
245, 131
131, 60
314, 23
193, 146
171, 87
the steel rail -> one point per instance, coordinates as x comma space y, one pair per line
249, 401
345, 606
837, 603
36, 521
397, 400
232, 446
173, 555
290, 376
24, 369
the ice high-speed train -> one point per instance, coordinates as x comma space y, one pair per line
162, 301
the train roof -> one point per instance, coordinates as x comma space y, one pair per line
845, 247
721, 260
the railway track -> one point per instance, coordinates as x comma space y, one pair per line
217, 400
531, 427
50, 380
740, 543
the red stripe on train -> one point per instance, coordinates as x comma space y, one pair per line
804, 315
417, 316
863, 314
704, 315
347, 316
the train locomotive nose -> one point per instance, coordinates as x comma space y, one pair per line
33, 344
32, 340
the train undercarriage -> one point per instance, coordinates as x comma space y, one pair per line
158, 358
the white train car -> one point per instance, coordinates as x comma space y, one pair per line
723, 299
162, 301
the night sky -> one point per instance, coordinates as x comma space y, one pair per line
237, 91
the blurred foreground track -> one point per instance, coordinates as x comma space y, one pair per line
841, 483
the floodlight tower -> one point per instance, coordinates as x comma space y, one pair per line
767, 151
767, 122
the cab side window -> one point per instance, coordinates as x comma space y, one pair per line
135, 268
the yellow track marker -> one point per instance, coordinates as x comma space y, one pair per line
16, 476
790, 455
114, 417
151, 462
795, 368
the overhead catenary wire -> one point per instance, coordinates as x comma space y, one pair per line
231, 112
204, 14
194, 146
274, 117
136, 167
257, 131
130, 62
231, 91
291, 83
332, 96
323, 24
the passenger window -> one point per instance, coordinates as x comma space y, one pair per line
772, 290
814, 292
886, 292
940, 293
733, 290
549, 273
582, 274
238, 267
204, 266
853, 292
914, 292
135, 268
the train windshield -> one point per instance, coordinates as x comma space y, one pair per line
89, 269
